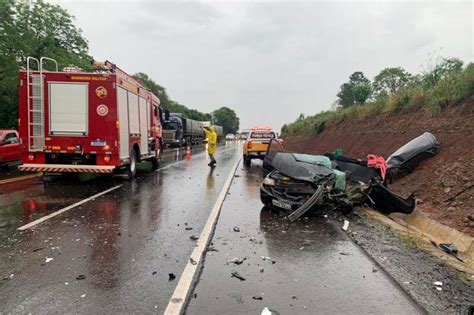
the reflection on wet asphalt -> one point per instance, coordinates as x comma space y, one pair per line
308, 267
124, 243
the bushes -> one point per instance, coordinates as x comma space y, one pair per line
450, 89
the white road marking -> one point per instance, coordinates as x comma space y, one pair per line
52, 215
183, 289
49, 216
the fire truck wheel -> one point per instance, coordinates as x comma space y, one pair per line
132, 167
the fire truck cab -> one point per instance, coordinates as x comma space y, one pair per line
71, 121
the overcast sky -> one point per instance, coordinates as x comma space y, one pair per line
270, 61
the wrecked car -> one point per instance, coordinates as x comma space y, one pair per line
297, 183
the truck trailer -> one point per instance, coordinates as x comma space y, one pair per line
180, 131
102, 121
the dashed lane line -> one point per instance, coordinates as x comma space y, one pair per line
52, 215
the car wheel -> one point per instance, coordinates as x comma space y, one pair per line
132, 167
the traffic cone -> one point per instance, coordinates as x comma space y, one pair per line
188, 153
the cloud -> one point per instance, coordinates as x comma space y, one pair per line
270, 61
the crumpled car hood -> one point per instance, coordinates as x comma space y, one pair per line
287, 165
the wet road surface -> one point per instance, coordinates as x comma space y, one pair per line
114, 254
308, 267
124, 243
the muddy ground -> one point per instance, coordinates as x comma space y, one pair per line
436, 179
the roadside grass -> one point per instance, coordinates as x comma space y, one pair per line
412, 241
450, 90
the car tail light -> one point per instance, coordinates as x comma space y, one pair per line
249, 145
107, 158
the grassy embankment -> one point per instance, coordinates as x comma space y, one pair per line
450, 90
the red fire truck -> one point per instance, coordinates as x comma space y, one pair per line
102, 121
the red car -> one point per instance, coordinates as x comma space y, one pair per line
9, 146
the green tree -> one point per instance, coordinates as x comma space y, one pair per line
226, 118
442, 68
361, 92
390, 80
155, 88
37, 29
346, 95
166, 102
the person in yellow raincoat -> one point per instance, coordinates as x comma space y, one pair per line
211, 143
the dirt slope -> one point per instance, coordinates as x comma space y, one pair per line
436, 179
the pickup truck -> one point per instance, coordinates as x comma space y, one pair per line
9, 147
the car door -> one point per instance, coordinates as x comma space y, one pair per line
11, 147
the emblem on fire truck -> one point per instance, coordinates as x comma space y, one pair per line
101, 92
102, 110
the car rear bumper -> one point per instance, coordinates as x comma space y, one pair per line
256, 154
64, 168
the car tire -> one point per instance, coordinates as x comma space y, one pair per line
132, 167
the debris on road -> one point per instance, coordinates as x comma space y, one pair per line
346, 225
80, 277
171, 276
266, 311
236, 229
189, 228
237, 260
448, 248
194, 237
38, 249
212, 249
48, 259
235, 274
192, 261
257, 297
438, 285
